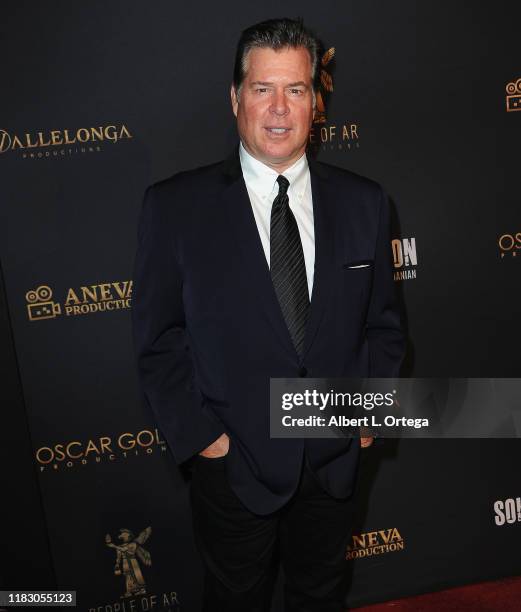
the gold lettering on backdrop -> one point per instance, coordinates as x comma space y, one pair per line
131, 444
30, 145
97, 133
56, 137
59, 455
102, 292
41, 457
67, 141
374, 543
69, 450
105, 291
41, 142
83, 135
506, 246
125, 291
140, 438
105, 442
5, 141
74, 450
67, 136
111, 135
349, 132
389, 535
89, 293
359, 541
71, 297
170, 601
124, 132
91, 448
342, 136
17, 143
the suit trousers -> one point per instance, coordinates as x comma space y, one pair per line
241, 550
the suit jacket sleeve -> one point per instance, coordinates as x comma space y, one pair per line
384, 319
161, 341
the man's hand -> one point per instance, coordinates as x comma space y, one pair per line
365, 442
219, 448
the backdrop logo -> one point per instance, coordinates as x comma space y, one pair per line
130, 554
326, 85
39, 304
405, 258
507, 511
79, 301
374, 543
75, 453
131, 561
331, 135
56, 143
509, 244
513, 98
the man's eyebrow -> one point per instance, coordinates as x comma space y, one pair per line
269, 84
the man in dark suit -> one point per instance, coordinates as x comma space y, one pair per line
268, 264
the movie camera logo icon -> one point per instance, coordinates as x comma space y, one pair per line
40, 306
513, 98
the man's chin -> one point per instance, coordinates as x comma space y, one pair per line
279, 156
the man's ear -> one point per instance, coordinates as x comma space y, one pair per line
235, 100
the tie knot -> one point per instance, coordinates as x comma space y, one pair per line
283, 184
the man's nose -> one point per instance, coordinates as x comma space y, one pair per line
279, 103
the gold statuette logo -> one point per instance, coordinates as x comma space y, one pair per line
330, 135
130, 554
326, 86
513, 98
132, 559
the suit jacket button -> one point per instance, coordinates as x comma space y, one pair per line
302, 372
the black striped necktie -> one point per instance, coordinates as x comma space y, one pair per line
287, 266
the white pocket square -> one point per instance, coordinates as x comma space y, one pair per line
358, 266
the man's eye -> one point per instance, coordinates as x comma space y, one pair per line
296, 92
261, 89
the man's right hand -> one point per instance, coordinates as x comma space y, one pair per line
219, 448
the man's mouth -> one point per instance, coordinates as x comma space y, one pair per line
277, 130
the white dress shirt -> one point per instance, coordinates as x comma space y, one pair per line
262, 186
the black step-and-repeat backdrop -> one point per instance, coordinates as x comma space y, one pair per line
101, 99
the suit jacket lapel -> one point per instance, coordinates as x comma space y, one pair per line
324, 229
253, 265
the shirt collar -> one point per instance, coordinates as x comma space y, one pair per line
261, 179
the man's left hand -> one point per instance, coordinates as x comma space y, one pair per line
365, 442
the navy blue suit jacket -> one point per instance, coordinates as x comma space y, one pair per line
209, 332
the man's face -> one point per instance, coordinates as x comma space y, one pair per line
275, 106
